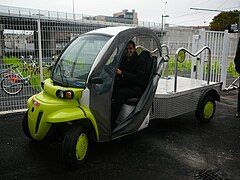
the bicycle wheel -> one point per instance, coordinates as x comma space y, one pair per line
12, 84
3, 73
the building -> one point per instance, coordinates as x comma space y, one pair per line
125, 17
125, 14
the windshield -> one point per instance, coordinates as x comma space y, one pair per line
73, 66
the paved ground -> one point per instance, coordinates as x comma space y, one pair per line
179, 148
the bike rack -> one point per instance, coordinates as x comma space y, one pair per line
194, 55
166, 59
233, 85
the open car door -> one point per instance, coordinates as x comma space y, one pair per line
138, 118
101, 81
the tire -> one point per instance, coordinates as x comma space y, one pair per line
3, 73
12, 84
25, 126
206, 109
75, 147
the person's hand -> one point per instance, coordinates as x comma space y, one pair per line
118, 71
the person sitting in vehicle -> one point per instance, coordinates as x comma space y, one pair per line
129, 82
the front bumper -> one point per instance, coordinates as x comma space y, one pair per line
43, 110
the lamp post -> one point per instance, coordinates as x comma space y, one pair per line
73, 10
163, 16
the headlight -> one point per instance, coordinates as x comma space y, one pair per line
68, 94
35, 103
61, 94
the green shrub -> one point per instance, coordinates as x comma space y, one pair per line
12, 60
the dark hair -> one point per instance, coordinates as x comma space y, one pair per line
132, 43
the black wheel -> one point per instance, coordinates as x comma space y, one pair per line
206, 109
25, 126
75, 146
12, 84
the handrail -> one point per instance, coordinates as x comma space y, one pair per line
155, 50
194, 55
166, 47
143, 48
166, 59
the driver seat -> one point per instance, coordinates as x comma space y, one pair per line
131, 103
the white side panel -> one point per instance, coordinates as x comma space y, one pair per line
85, 97
145, 122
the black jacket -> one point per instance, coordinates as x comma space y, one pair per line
237, 58
133, 72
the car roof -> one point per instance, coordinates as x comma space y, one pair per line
112, 31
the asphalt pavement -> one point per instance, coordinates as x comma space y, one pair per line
178, 148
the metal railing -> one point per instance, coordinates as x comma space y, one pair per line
63, 16
193, 55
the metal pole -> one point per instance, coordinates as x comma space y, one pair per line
175, 72
239, 24
194, 55
40, 49
162, 22
73, 11
209, 65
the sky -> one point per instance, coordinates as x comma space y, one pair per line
148, 10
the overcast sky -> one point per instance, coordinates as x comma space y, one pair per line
148, 10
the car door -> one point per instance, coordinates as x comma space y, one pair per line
135, 120
100, 94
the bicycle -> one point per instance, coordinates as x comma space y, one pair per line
10, 67
4, 72
13, 82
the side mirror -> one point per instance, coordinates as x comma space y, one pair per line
54, 57
96, 80
181, 56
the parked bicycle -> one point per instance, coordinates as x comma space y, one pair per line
10, 68
13, 82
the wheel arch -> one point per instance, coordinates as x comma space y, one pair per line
211, 92
86, 123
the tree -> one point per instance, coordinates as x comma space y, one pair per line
224, 20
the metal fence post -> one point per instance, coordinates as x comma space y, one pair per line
40, 49
195, 41
2, 44
224, 59
202, 43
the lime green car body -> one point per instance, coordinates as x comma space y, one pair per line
45, 109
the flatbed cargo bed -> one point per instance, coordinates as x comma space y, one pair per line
168, 104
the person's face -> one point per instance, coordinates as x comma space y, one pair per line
130, 50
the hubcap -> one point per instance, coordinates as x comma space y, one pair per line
82, 146
208, 109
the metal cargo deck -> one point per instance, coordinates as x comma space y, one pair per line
168, 104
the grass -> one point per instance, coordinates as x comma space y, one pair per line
185, 66
231, 70
12, 61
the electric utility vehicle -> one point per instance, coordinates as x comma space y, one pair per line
76, 101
